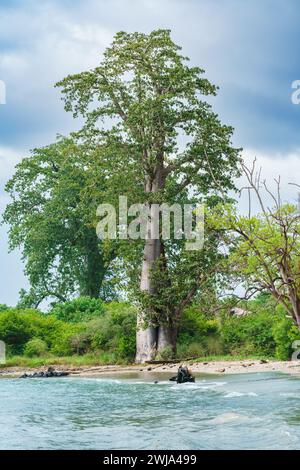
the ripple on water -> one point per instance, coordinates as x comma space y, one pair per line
229, 418
243, 412
240, 394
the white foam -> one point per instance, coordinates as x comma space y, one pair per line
240, 394
289, 395
199, 386
229, 418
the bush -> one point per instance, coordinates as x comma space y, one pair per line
167, 354
185, 351
35, 347
80, 342
285, 333
115, 331
78, 310
16, 329
109, 330
195, 323
199, 335
265, 331
213, 345
64, 343
251, 334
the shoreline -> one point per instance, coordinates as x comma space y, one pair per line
213, 367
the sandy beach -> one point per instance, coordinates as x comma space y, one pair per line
217, 367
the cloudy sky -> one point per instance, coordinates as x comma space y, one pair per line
249, 49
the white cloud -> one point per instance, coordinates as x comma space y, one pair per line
272, 166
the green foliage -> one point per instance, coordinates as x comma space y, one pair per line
115, 331
90, 359
166, 354
51, 219
3, 307
82, 326
35, 347
16, 328
191, 350
285, 333
195, 323
251, 333
145, 102
198, 334
109, 335
78, 310
64, 344
263, 249
264, 332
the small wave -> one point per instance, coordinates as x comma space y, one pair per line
229, 418
198, 386
103, 380
290, 395
240, 394
212, 385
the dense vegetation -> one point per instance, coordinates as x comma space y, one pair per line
106, 332
150, 135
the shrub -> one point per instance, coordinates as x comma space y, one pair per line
198, 335
195, 323
109, 330
78, 310
265, 331
166, 354
64, 344
115, 331
285, 333
251, 334
80, 342
213, 345
16, 329
35, 347
185, 351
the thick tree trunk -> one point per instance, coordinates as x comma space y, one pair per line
146, 337
146, 341
167, 336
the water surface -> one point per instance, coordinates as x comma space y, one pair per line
247, 411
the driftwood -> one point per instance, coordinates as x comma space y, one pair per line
174, 361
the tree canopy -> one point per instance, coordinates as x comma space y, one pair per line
265, 247
145, 94
52, 218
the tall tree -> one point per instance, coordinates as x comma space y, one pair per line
50, 218
145, 93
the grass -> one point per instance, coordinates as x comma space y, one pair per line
104, 359
228, 358
45, 361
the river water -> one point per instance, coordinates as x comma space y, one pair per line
246, 411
